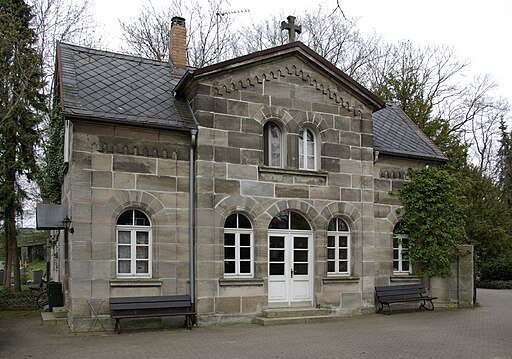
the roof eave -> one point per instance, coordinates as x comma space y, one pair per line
409, 155
91, 118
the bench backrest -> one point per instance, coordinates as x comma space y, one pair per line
400, 290
150, 302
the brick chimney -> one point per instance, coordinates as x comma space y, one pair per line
178, 43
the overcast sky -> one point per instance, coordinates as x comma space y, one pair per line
480, 31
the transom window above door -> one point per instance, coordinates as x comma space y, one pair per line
289, 220
133, 245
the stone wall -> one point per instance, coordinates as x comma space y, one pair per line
456, 290
115, 168
112, 169
390, 173
231, 109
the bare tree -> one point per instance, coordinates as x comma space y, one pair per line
480, 114
148, 34
327, 32
208, 31
64, 20
339, 40
259, 36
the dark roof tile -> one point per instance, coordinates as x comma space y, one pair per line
106, 86
396, 134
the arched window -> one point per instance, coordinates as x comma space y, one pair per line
401, 263
338, 247
238, 257
307, 149
133, 244
273, 145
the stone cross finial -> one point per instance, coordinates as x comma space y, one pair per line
291, 27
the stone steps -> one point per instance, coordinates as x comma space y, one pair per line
303, 315
57, 317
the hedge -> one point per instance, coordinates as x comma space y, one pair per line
26, 300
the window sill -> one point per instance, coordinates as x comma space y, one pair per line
404, 278
292, 171
240, 282
339, 279
135, 282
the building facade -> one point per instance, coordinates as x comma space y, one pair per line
259, 182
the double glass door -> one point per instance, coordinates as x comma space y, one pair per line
290, 266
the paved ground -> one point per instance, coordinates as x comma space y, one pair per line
484, 332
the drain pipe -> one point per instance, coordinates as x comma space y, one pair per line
192, 212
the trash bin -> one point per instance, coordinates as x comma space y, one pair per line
55, 296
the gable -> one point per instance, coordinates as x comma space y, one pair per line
293, 62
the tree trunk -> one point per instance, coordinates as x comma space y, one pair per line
12, 252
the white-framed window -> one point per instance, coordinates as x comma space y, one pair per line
338, 247
401, 263
273, 139
238, 248
133, 245
307, 149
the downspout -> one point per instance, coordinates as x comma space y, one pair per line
191, 225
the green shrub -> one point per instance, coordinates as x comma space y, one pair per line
497, 270
26, 300
495, 284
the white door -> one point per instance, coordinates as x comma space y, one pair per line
290, 267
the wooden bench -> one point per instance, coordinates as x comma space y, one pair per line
154, 306
387, 295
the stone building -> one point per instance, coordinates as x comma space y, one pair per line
255, 183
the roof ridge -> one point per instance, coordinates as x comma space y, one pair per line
113, 54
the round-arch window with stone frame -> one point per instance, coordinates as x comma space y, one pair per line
133, 245
338, 247
273, 145
307, 149
238, 246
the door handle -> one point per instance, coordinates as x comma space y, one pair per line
291, 272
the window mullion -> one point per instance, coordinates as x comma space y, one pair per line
133, 251
337, 253
237, 254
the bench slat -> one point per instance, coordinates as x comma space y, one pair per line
387, 295
397, 293
151, 306
401, 286
164, 298
149, 315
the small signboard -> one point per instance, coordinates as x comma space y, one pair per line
50, 216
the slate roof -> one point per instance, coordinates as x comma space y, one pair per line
395, 134
105, 86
